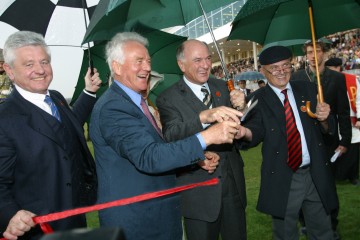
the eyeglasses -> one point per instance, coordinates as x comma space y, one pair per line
277, 70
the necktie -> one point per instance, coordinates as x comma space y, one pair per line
149, 116
207, 96
54, 110
293, 136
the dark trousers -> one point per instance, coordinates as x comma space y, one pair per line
231, 223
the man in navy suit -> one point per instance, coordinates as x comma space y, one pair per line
45, 164
131, 155
288, 186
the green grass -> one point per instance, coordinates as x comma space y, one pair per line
259, 224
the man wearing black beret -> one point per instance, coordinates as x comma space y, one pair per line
295, 172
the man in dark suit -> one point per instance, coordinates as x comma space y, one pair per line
334, 90
184, 110
295, 172
242, 86
131, 155
45, 164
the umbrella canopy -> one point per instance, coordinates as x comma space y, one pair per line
267, 21
249, 75
162, 49
62, 22
112, 16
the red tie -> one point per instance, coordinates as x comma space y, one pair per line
149, 116
293, 136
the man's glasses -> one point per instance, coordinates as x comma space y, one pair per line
277, 70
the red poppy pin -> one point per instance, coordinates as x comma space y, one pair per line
218, 94
303, 108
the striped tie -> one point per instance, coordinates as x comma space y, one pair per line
293, 136
207, 96
54, 110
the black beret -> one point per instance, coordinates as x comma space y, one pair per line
334, 62
274, 54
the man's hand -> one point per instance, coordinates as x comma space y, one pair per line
341, 149
220, 114
237, 99
20, 223
322, 111
211, 162
357, 124
92, 83
220, 133
244, 133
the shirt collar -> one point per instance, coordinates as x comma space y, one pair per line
30, 95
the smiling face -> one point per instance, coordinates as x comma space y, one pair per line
135, 71
278, 74
31, 70
196, 63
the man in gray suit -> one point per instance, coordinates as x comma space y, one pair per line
295, 172
186, 108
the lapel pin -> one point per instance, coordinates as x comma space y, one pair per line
303, 108
217, 93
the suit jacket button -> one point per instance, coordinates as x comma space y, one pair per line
320, 144
68, 184
277, 152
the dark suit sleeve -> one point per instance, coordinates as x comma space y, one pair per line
8, 206
343, 112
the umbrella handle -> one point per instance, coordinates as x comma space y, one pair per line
308, 110
231, 87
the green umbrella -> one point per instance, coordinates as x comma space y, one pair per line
162, 49
268, 21
112, 16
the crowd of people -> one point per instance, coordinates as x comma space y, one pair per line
344, 45
46, 165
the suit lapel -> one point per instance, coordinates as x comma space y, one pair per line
34, 119
301, 98
217, 95
189, 97
277, 108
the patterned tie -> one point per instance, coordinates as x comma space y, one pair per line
149, 116
293, 136
207, 96
54, 110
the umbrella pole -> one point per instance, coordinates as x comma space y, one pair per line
227, 76
320, 92
91, 63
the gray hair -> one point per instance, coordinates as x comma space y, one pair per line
114, 48
22, 39
180, 56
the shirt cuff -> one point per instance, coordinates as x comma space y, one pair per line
89, 93
201, 140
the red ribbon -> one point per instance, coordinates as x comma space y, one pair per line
45, 227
